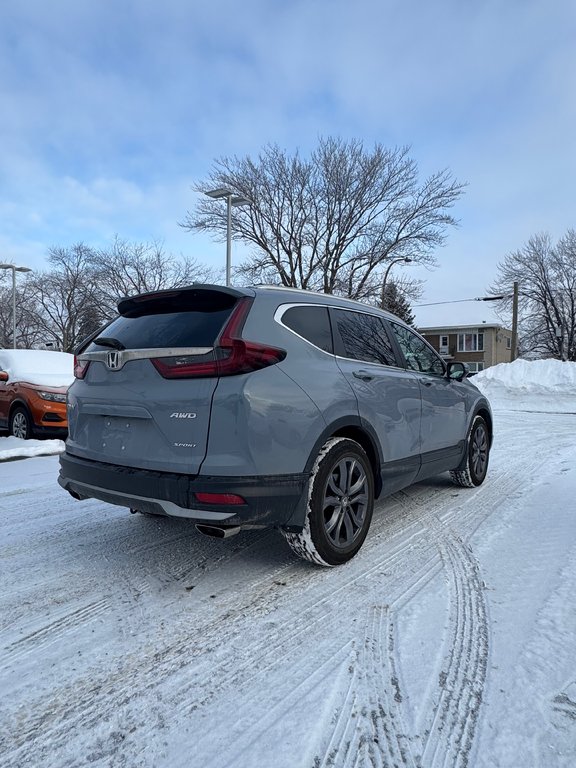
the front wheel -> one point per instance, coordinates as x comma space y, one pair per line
477, 455
340, 505
21, 424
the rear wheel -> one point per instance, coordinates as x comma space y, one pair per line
340, 505
477, 455
21, 424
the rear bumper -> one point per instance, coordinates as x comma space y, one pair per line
272, 500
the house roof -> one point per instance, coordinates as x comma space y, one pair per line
454, 328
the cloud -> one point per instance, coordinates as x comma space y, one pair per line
111, 112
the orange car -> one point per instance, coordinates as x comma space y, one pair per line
33, 385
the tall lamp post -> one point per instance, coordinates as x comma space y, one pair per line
14, 270
406, 260
231, 199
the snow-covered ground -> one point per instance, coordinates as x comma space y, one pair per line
450, 640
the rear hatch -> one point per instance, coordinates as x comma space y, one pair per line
145, 383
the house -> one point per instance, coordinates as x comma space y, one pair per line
480, 346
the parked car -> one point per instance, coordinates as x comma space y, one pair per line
266, 406
33, 385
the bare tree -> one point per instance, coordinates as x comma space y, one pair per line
67, 302
6, 326
333, 222
546, 274
28, 333
127, 268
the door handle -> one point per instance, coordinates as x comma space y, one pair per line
426, 382
363, 375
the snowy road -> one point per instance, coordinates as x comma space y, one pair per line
449, 641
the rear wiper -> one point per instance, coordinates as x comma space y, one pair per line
108, 341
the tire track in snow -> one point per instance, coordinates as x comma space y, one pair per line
156, 664
370, 731
450, 733
414, 556
461, 683
39, 638
80, 708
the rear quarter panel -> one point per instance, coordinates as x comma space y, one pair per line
261, 423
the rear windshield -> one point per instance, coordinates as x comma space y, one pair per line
160, 329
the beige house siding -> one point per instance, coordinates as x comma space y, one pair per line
497, 344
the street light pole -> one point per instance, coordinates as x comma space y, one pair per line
14, 270
406, 260
231, 199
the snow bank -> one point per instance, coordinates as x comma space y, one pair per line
546, 385
38, 366
15, 448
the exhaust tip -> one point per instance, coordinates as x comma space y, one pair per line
218, 531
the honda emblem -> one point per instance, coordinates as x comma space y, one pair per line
114, 360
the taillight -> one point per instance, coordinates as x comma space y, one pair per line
231, 356
80, 367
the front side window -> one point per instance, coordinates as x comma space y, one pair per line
419, 356
364, 337
470, 342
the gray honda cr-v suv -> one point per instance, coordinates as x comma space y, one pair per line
265, 406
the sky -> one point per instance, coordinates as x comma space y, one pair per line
112, 111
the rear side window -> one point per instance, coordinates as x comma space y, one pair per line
181, 319
364, 337
312, 323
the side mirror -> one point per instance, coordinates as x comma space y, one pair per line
457, 371
4, 376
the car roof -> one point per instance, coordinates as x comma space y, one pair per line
328, 299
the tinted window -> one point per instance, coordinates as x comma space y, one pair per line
166, 329
364, 337
312, 323
419, 356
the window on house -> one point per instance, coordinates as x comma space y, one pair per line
475, 367
508, 342
470, 342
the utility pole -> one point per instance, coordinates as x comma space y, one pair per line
514, 323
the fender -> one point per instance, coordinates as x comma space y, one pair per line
355, 428
482, 408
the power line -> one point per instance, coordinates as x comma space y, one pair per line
458, 301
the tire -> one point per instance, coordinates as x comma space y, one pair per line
477, 456
340, 505
21, 423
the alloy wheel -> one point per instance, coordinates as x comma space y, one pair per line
20, 425
345, 502
479, 450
